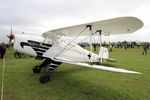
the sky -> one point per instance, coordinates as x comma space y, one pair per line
38, 16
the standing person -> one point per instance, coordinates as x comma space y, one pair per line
110, 48
3, 50
147, 46
94, 45
145, 49
0, 50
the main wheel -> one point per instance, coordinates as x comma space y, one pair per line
36, 69
44, 78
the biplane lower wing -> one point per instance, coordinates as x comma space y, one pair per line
101, 67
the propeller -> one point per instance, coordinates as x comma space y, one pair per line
11, 36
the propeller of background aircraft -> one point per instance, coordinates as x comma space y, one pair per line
11, 36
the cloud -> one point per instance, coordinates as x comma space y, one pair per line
36, 16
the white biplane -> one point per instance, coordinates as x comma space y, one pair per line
53, 46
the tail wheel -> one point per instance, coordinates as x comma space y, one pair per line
44, 78
36, 69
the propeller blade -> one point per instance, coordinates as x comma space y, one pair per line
8, 36
11, 36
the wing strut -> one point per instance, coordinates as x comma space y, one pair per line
100, 34
91, 47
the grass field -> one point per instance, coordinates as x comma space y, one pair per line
70, 82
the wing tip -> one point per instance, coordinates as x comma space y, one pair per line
138, 73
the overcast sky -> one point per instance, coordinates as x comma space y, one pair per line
38, 16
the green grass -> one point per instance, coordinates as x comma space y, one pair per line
70, 82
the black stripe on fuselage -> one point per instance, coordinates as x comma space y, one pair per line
39, 53
38, 49
42, 47
39, 43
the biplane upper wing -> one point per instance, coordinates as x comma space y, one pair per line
118, 25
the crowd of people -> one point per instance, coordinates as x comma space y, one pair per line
123, 45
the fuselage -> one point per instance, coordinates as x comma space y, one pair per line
58, 48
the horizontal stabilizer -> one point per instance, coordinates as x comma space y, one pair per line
111, 60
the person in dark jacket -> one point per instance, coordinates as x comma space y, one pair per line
0, 50
3, 50
145, 49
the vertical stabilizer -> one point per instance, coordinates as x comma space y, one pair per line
103, 53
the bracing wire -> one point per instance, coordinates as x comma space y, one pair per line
81, 40
70, 42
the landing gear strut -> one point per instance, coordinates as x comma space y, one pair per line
51, 65
37, 69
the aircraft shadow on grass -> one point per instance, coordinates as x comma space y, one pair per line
84, 89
